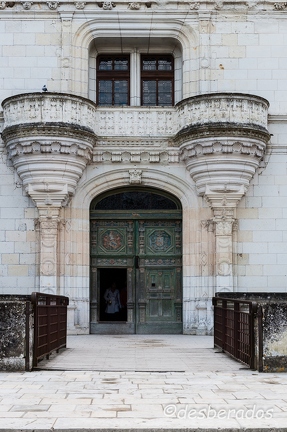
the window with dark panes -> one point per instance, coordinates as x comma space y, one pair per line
157, 80
113, 80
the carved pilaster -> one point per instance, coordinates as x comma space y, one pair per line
223, 248
223, 206
48, 225
66, 19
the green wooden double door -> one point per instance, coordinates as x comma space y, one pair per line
141, 257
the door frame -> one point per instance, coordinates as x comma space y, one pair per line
132, 271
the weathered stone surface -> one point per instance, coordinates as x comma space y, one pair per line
272, 355
13, 333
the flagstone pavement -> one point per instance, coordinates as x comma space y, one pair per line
134, 382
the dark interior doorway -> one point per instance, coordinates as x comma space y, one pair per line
108, 278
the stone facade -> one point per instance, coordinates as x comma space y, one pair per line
221, 150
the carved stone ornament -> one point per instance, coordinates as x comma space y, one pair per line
27, 5
107, 5
208, 225
134, 6
136, 157
80, 5
252, 4
224, 228
194, 6
280, 6
2, 4
52, 5
135, 176
218, 5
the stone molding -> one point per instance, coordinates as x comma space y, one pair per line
197, 7
145, 156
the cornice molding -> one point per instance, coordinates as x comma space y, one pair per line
221, 130
200, 6
48, 130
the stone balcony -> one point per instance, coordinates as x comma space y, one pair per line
222, 140
50, 140
50, 137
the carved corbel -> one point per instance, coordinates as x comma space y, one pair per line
46, 196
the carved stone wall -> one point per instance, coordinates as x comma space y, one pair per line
219, 138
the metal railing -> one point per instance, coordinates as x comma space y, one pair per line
50, 324
234, 328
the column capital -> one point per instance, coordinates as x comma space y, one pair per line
48, 196
223, 203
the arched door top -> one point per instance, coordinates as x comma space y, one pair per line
135, 199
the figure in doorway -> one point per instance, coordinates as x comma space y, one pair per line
123, 299
113, 303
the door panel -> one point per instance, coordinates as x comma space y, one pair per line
112, 252
150, 253
159, 299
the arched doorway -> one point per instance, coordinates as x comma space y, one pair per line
136, 262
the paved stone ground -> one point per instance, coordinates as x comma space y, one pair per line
155, 382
